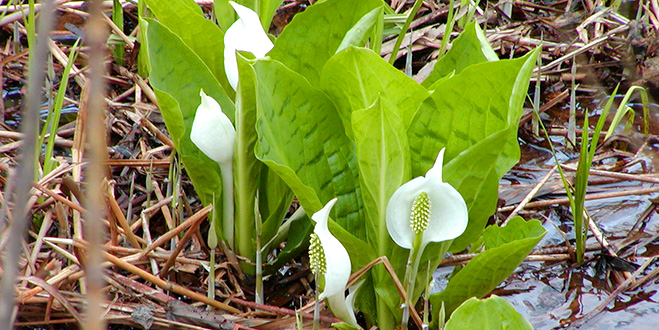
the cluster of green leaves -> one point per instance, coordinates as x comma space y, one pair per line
185, 54
323, 117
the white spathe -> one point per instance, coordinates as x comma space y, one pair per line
212, 131
448, 212
338, 267
246, 35
337, 261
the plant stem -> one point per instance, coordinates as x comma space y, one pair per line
227, 202
316, 308
212, 244
449, 28
211, 275
410, 277
403, 30
259, 254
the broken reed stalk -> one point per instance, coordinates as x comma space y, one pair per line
170, 286
24, 174
558, 201
95, 125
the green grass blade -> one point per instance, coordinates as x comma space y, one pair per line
118, 19
622, 110
53, 119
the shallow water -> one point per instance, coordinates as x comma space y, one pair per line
553, 295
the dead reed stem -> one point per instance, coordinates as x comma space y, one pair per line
95, 127
24, 174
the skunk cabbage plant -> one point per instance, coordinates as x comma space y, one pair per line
423, 210
213, 133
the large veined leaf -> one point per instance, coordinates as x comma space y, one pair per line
473, 174
275, 204
178, 71
177, 75
358, 34
246, 168
185, 19
492, 313
354, 77
470, 47
330, 21
302, 139
517, 228
483, 99
483, 273
384, 164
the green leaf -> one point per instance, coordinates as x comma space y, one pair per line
143, 68
493, 313
358, 34
470, 47
473, 174
516, 228
118, 19
246, 168
177, 75
355, 77
226, 13
485, 271
185, 19
483, 99
313, 36
344, 326
297, 241
360, 252
302, 139
275, 201
384, 164
264, 8
177, 70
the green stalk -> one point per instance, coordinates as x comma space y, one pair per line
258, 222
212, 244
30, 27
449, 28
377, 33
426, 303
316, 307
403, 30
410, 276
118, 19
211, 274
54, 117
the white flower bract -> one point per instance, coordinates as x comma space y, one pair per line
447, 218
246, 35
337, 267
212, 131
337, 261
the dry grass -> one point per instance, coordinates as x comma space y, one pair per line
153, 258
